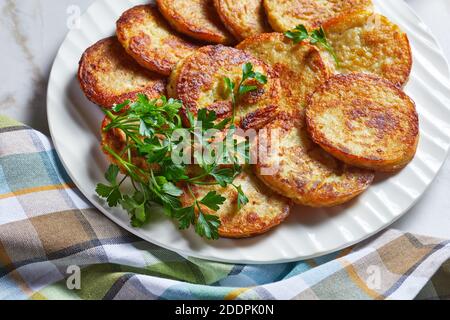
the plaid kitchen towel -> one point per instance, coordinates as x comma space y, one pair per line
54, 245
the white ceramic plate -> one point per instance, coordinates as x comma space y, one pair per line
75, 122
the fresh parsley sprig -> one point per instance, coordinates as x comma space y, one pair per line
242, 88
148, 126
236, 91
207, 225
316, 37
111, 192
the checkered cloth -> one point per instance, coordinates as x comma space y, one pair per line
47, 228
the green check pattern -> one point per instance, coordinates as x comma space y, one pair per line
46, 226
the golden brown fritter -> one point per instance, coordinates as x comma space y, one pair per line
199, 81
299, 66
264, 211
364, 121
297, 168
370, 43
243, 18
285, 15
108, 75
197, 19
148, 38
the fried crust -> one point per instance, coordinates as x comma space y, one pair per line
299, 169
364, 121
109, 76
243, 18
264, 211
300, 67
199, 82
370, 43
148, 38
197, 19
285, 15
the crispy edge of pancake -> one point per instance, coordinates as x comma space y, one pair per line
249, 221
146, 48
399, 70
173, 79
389, 163
90, 69
185, 25
242, 29
312, 192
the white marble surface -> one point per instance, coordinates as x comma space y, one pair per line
32, 30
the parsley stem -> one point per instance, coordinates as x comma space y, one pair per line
134, 185
193, 197
204, 175
233, 101
109, 114
125, 164
191, 192
205, 183
123, 180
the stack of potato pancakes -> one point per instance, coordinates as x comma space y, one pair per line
340, 112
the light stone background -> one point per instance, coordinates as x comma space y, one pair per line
32, 30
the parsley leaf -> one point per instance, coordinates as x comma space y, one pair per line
112, 192
242, 198
137, 208
185, 217
111, 174
247, 74
245, 89
247, 69
170, 189
316, 37
103, 190
230, 85
222, 124
174, 172
207, 118
119, 107
213, 200
260, 78
298, 35
191, 119
223, 176
207, 226
144, 130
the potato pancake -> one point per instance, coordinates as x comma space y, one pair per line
364, 121
197, 19
109, 76
243, 18
370, 43
264, 211
148, 38
199, 81
285, 15
299, 66
299, 169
